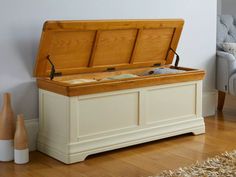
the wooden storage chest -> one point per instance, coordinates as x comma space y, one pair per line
82, 112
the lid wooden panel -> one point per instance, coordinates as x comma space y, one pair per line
153, 45
114, 47
73, 46
89, 46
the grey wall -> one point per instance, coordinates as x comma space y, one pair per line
228, 7
21, 23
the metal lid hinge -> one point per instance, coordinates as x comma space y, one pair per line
111, 69
157, 64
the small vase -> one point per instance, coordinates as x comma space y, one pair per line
7, 129
21, 150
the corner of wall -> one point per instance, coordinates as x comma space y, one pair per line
209, 103
32, 130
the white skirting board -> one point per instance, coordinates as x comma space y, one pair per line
209, 105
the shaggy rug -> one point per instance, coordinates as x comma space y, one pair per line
223, 165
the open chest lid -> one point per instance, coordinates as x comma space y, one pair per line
75, 47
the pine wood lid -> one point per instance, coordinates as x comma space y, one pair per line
89, 46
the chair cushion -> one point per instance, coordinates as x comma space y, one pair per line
229, 47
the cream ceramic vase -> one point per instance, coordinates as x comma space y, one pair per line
7, 129
21, 150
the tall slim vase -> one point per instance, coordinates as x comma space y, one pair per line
21, 150
7, 129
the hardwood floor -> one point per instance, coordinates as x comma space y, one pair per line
143, 160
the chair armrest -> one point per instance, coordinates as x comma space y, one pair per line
226, 55
225, 67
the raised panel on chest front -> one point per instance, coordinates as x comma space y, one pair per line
168, 103
107, 113
55, 114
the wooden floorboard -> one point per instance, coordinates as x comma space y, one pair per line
142, 160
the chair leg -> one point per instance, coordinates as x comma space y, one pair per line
221, 100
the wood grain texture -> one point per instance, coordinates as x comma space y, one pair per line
105, 86
138, 34
111, 24
221, 100
132, 83
114, 47
153, 45
91, 46
50, 85
174, 44
96, 37
141, 160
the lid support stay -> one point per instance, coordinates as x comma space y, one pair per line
53, 72
177, 57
